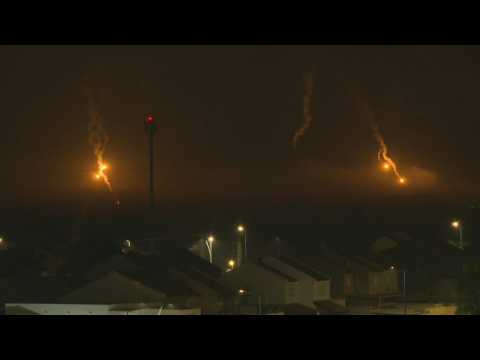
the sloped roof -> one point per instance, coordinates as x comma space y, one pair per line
142, 269
113, 288
32, 289
154, 270
271, 269
186, 263
302, 267
208, 281
175, 257
20, 310
420, 253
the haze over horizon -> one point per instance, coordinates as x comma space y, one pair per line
226, 116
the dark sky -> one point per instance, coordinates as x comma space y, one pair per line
226, 115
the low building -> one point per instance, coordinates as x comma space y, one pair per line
367, 278
176, 275
258, 282
313, 286
98, 309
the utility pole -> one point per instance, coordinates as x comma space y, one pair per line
151, 129
405, 292
460, 230
260, 310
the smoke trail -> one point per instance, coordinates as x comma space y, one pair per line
98, 139
307, 115
382, 154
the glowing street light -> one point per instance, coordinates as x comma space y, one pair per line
386, 166
402, 180
243, 230
3, 243
241, 291
209, 244
458, 225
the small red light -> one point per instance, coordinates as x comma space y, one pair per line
149, 119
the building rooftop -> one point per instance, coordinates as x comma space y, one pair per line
302, 267
275, 271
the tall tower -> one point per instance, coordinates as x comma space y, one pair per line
151, 129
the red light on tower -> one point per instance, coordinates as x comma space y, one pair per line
151, 129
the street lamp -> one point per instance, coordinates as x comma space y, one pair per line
231, 264
458, 225
209, 244
242, 230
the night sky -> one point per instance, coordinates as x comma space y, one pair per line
226, 116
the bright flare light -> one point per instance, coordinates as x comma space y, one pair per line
240, 228
241, 291
211, 239
100, 174
98, 139
382, 154
456, 224
231, 264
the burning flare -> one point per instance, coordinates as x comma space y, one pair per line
307, 115
387, 163
382, 155
100, 174
98, 139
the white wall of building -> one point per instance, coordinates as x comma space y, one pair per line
309, 288
273, 288
80, 309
